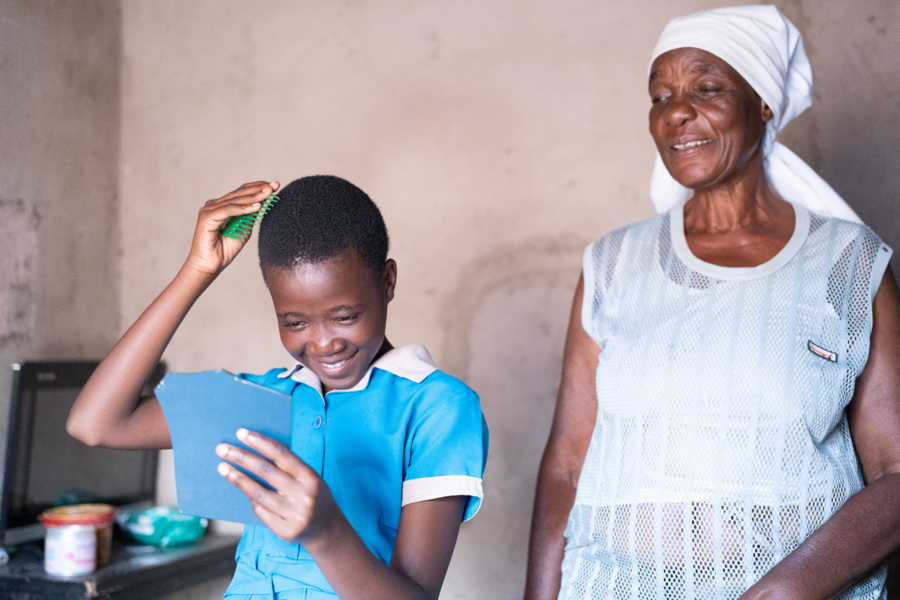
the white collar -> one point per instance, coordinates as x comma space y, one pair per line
411, 362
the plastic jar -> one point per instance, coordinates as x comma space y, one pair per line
70, 550
67, 529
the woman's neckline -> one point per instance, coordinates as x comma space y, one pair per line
683, 251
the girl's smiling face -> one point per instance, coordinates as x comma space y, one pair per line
332, 315
706, 120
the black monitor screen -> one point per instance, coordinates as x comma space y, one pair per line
47, 467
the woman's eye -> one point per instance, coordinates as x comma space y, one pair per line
658, 97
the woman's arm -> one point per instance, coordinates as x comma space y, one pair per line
302, 510
570, 436
110, 410
866, 529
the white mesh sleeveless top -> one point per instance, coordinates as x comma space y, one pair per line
721, 440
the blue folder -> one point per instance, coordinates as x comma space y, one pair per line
204, 410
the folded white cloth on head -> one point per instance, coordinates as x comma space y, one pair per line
767, 51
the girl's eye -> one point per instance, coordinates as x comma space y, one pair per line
349, 319
294, 324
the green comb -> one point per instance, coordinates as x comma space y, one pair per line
239, 228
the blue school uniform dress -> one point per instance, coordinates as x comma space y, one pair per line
405, 433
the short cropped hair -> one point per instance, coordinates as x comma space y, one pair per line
319, 217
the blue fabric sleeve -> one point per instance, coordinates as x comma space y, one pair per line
447, 444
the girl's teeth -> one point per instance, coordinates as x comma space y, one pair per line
690, 144
334, 365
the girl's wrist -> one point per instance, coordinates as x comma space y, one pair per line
190, 274
328, 534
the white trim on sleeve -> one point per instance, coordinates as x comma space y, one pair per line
429, 488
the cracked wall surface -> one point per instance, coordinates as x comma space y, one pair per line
59, 128
18, 230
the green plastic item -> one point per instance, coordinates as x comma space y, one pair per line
161, 526
240, 227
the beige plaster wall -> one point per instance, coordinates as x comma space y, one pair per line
497, 137
59, 136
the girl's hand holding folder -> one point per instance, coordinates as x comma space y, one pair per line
301, 508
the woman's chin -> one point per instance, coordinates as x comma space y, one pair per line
696, 182
691, 173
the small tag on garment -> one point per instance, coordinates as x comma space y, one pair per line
819, 351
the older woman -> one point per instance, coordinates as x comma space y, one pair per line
728, 423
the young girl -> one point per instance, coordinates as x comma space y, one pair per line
387, 452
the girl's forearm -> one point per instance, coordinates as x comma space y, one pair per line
110, 411
353, 571
857, 538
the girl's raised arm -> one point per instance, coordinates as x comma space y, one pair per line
110, 410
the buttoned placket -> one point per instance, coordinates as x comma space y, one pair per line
311, 418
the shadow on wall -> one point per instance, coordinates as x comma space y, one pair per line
865, 173
504, 330
851, 135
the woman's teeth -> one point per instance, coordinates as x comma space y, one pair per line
691, 144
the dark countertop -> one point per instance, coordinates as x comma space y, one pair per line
136, 572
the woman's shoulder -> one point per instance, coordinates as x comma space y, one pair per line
843, 235
601, 264
852, 249
650, 226
646, 234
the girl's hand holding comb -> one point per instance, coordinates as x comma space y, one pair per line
211, 252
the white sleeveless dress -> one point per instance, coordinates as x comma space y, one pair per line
721, 440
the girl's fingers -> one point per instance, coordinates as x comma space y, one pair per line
225, 209
257, 465
281, 455
273, 521
247, 200
248, 190
273, 501
222, 213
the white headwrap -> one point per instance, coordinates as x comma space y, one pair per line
767, 51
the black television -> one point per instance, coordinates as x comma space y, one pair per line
46, 467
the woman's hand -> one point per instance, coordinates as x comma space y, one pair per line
863, 532
211, 252
302, 507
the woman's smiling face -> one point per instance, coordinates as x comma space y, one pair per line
332, 315
706, 120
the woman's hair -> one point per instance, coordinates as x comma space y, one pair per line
317, 218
